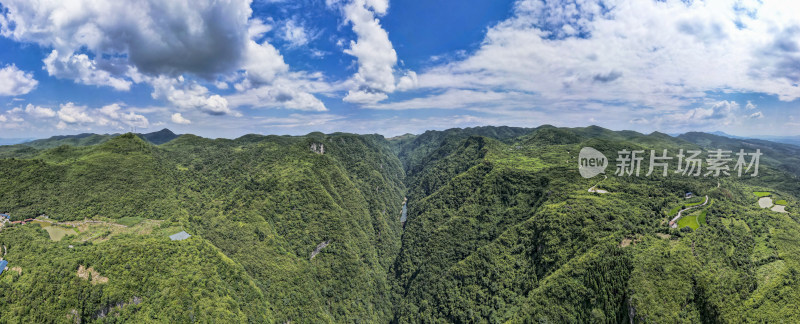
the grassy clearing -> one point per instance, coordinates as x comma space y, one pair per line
760, 194
781, 202
101, 232
129, 221
56, 232
695, 203
690, 221
694, 221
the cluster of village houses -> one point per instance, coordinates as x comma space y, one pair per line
6, 218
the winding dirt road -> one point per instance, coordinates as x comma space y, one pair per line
674, 222
594, 188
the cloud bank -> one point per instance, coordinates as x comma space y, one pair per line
657, 56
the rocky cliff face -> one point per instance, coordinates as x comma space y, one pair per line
318, 148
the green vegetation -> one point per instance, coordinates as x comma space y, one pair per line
674, 211
559, 257
690, 221
701, 219
56, 232
686, 204
781, 202
149, 279
501, 228
694, 221
760, 194
263, 202
129, 221
695, 203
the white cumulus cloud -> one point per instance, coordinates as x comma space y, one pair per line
73, 114
374, 52
121, 43
296, 34
373, 49
293, 92
365, 97
114, 115
14, 82
177, 118
80, 68
39, 112
186, 95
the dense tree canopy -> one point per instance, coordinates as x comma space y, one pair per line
501, 227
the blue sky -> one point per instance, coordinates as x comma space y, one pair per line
228, 68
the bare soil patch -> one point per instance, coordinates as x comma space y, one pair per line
765, 202
87, 273
779, 209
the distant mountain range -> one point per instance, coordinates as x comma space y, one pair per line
166, 135
85, 139
794, 140
12, 141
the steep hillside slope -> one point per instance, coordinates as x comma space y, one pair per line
118, 178
509, 232
311, 222
269, 202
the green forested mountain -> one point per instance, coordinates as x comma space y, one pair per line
306, 229
257, 206
28, 149
508, 231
